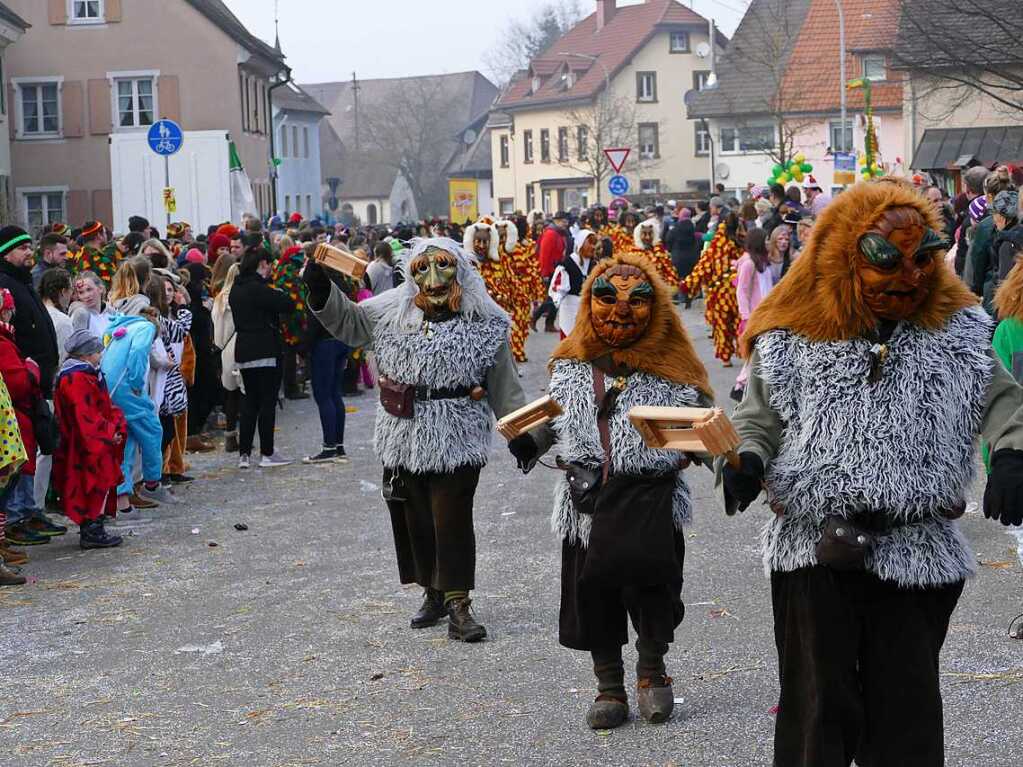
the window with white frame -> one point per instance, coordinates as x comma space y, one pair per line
506, 206
700, 78
85, 12
836, 140
527, 146
505, 152
43, 207
287, 205
648, 141
305, 142
284, 141
309, 205
562, 144
679, 42
136, 102
40, 108
702, 138
294, 141
749, 138
649, 186
646, 86
874, 68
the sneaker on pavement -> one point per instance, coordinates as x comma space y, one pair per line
94, 536
10, 578
270, 461
243, 462
41, 525
326, 455
159, 494
181, 479
19, 535
341, 457
138, 502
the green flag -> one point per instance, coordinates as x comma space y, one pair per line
242, 199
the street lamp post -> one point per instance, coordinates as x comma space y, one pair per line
841, 64
604, 96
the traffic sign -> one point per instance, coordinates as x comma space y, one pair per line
165, 137
618, 185
617, 157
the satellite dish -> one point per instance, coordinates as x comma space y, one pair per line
703, 50
469, 137
722, 171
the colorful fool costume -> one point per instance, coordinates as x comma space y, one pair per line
715, 273
97, 257
646, 241
872, 377
482, 240
622, 550
526, 286
446, 368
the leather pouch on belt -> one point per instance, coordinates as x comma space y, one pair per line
844, 545
397, 399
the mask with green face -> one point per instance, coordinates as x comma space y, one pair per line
435, 273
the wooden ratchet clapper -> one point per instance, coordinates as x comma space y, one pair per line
529, 417
340, 260
688, 429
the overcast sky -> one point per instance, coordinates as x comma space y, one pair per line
326, 40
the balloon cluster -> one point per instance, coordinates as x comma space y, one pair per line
796, 170
869, 168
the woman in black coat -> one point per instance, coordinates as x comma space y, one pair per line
684, 245
258, 352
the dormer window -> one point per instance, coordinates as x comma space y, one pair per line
874, 68
536, 83
567, 79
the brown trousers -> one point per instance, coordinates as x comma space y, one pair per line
174, 455
434, 537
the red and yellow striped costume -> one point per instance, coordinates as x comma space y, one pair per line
715, 274
527, 287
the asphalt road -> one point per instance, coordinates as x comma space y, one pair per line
288, 644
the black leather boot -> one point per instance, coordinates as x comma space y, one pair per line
462, 627
432, 610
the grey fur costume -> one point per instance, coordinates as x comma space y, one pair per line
903, 446
467, 350
578, 438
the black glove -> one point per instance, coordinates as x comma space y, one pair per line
525, 450
316, 279
1003, 498
743, 485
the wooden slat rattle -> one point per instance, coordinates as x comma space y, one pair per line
340, 260
529, 417
689, 430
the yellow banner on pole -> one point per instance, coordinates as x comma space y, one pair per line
463, 200
170, 203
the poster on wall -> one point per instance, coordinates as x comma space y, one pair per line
463, 200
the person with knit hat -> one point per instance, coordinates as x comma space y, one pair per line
33, 328
195, 256
295, 220
95, 256
87, 463
218, 246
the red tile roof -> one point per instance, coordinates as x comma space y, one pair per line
813, 78
628, 30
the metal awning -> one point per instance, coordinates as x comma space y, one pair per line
948, 148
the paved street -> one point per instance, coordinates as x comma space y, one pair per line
288, 643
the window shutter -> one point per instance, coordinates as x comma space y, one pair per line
58, 11
112, 10
72, 98
100, 106
13, 111
169, 98
103, 206
78, 207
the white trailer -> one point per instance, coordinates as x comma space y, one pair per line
199, 175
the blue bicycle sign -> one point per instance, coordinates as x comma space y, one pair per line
165, 137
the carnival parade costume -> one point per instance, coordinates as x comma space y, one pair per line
873, 375
446, 368
715, 274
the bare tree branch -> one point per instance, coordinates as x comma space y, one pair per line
519, 42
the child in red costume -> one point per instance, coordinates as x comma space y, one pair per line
87, 464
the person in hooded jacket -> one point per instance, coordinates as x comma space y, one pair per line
204, 392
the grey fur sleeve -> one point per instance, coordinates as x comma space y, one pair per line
1002, 424
346, 320
757, 422
504, 392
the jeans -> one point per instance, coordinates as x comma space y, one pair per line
259, 405
327, 362
20, 501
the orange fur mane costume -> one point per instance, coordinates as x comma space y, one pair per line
664, 350
1009, 296
821, 297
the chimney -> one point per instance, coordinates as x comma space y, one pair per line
605, 12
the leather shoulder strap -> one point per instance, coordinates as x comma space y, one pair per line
599, 392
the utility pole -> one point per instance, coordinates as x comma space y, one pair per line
355, 99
